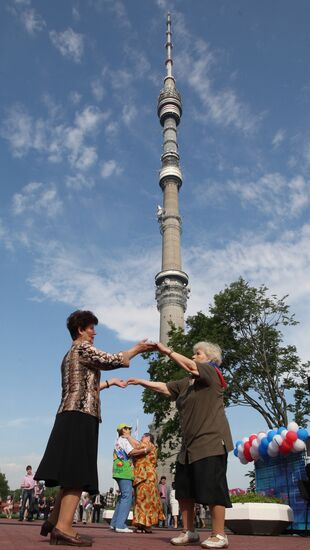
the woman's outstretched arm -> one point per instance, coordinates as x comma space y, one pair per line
159, 387
184, 362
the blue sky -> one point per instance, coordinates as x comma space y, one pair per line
80, 146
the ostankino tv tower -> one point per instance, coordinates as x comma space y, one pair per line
171, 282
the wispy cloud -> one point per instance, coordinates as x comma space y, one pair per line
69, 43
278, 138
37, 198
61, 276
272, 194
32, 21
122, 293
110, 168
53, 137
117, 7
129, 113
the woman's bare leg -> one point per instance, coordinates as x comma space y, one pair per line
187, 510
217, 519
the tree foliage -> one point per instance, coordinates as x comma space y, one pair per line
4, 486
262, 372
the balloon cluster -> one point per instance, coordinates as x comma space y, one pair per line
276, 441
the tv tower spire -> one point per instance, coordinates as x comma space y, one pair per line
171, 282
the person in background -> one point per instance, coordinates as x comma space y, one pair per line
147, 505
202, 462
123, 474
28, 485
98, 503
70, 459
163, 492
174, 506
8, 507
110, 499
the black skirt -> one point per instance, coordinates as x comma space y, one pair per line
204, 481
70, 458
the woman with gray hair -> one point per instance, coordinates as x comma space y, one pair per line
206, 439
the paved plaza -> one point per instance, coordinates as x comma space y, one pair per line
23, 536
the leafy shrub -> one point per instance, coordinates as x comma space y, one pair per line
256, 497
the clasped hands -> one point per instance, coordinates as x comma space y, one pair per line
143, 346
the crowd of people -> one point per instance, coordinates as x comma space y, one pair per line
70, 458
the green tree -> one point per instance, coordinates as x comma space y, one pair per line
261, 371
4, 486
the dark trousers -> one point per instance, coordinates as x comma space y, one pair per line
28, 494
96, 513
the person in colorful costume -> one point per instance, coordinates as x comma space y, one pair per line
123, 453
148, 510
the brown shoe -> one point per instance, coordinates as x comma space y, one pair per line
58, 537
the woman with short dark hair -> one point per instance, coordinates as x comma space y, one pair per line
70, 459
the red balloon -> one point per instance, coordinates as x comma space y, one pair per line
291, 437
252, 437
247, 446
285, 447
247, 454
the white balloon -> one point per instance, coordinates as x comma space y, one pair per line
277, 439
292, 427
273, 445
240, 451
260, 436
272, 452
245, 439
283, 434
255, 444
298, 446
254, 452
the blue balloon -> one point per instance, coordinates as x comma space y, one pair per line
302, 434
236, 452
263, 449
280, 430
264, 443
239, 442
271, 434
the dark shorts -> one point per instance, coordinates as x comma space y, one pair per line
204, 481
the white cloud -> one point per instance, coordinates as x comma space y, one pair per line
97, 89
37, 198
194, 63
62, 277
129, 113
75, 13
89, 119
122, 290
75, 97
273, 194
87, 158
278, 138
32, 21
56, 140
109, 168
17, 128
6, 236
79, 181
69, 43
